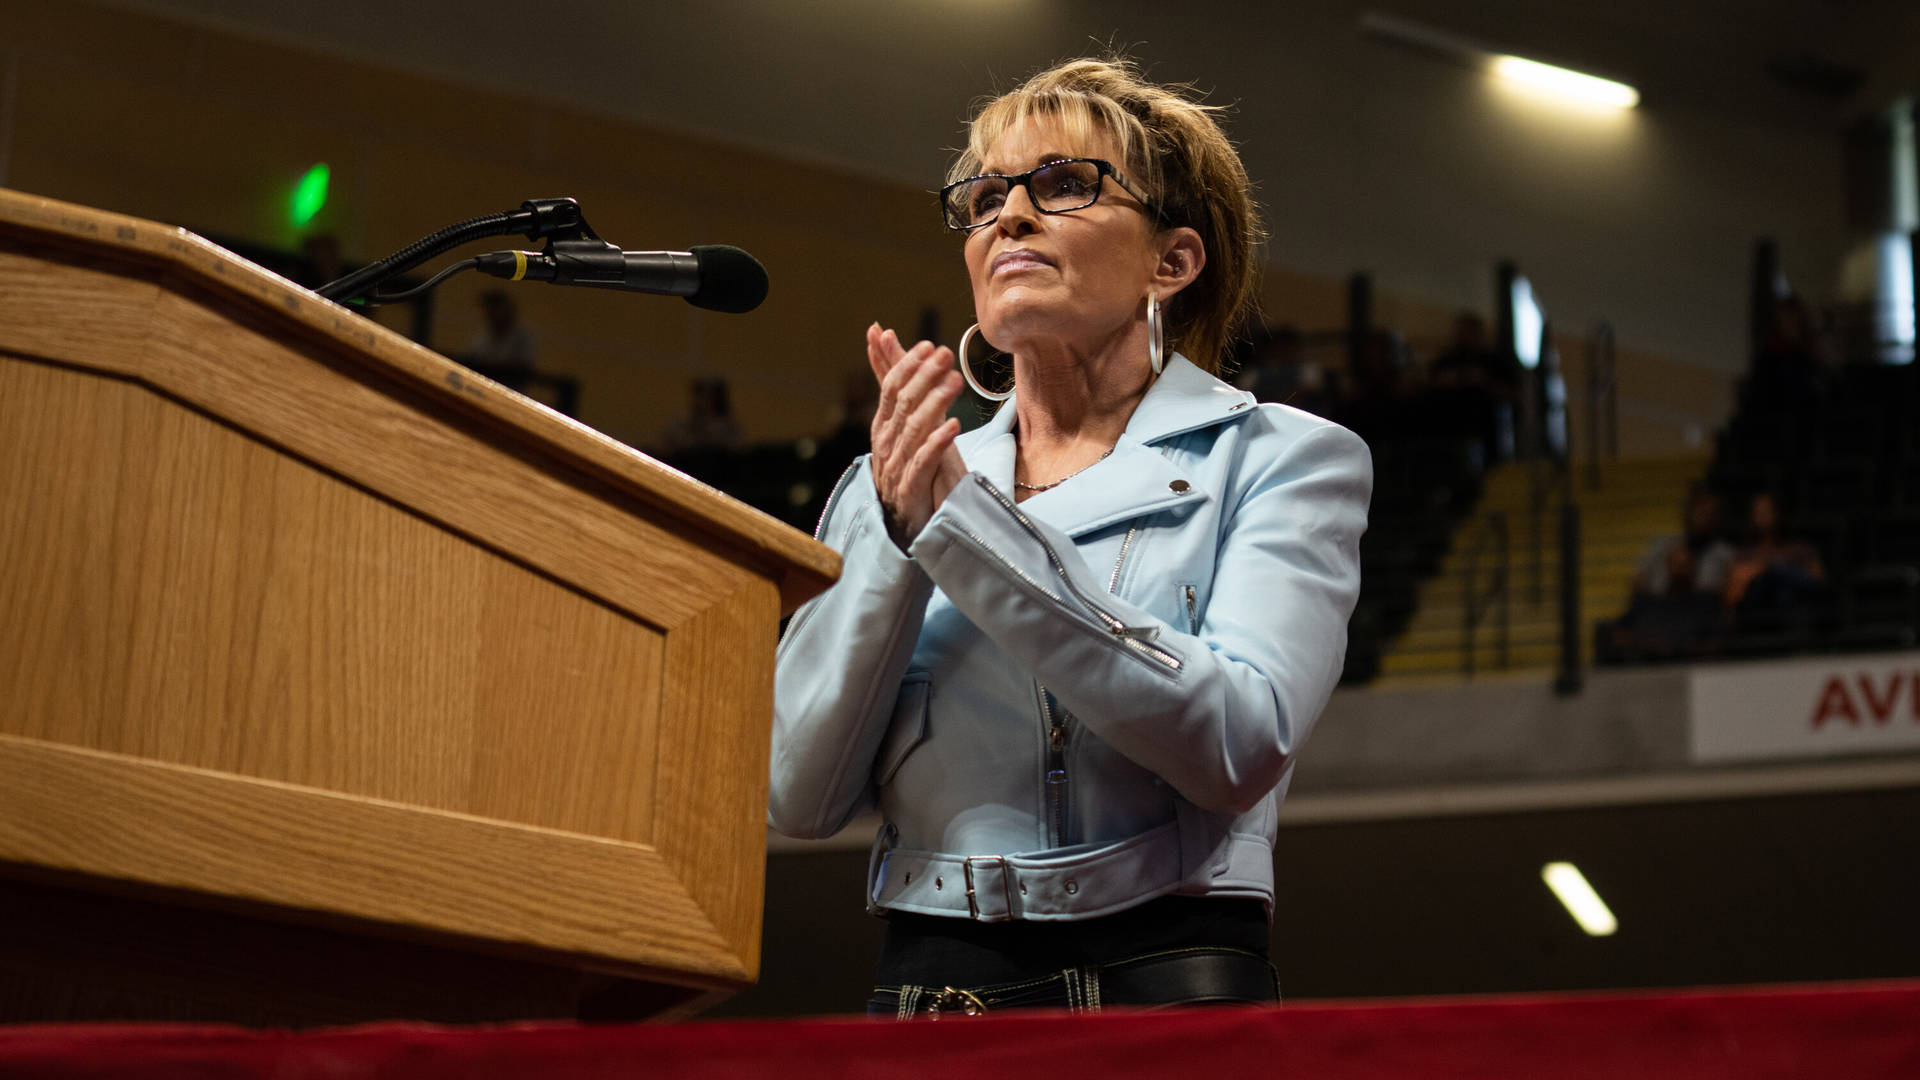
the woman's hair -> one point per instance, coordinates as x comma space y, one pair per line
1171, 145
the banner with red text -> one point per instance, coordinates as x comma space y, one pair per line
1806, 708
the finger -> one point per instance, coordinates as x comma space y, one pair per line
899, 393
923, 399
918, 475
928, 413
891, 384
876, 356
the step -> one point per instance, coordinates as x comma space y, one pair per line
1417, 639
1485, 660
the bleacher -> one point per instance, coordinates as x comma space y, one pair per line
1844, 456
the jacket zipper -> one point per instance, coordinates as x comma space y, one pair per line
1135, 639
1113, 583
820, 530
1193, 612
826, 512
1056, 721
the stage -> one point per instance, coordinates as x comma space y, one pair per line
1852, 1030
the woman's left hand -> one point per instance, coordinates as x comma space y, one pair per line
915, 463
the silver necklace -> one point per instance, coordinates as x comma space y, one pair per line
1024, 486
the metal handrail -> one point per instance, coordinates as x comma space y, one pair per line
1475, 605
1602, 387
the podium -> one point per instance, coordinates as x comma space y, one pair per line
338, 683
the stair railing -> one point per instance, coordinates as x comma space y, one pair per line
1603, 400
1495, 598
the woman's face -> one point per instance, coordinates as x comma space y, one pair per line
1076, 278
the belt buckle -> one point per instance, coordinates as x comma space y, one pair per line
973, 899
961, 1002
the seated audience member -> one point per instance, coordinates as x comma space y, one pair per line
1700, 538
1774, 583
708, 426
1679, 622
503, 345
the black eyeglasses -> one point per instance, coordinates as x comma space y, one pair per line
1055, 188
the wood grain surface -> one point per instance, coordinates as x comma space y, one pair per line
305, 619
614, 905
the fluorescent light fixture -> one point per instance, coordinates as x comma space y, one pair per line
1568, 85
1580, 900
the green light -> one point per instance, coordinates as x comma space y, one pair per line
310, 194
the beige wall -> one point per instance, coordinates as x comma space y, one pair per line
208, 129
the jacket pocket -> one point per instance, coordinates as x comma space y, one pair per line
909, 727
1188, 599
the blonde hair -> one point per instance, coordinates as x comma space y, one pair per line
1172, 146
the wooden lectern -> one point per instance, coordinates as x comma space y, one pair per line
339, 683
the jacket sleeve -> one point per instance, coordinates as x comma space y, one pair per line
1217, 714
839, 667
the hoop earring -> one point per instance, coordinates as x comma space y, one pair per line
967, 372
1156, 336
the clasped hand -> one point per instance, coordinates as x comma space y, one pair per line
915, 463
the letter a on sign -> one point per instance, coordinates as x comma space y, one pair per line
1834, 703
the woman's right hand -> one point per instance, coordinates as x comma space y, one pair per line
915, 462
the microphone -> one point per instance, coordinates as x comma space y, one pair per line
715, 277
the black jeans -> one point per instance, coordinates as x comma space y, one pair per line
1197, 976
1174, 950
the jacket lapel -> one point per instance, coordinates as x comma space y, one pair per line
1137, 479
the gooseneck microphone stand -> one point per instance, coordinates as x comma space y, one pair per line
537, 219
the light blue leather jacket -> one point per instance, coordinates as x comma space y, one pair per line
1070, 706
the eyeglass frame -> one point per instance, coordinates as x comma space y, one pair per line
1016, 180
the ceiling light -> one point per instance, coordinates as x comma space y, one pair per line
1557, 82
1581, 901
1568, 85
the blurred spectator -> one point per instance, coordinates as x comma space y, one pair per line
1786, 370
1374, 408
708, 425
1472, 389
853, 434
1709, 556
1775, 583
1681, 621
1276, 369
503, 344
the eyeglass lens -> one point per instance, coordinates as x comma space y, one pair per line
1065, 185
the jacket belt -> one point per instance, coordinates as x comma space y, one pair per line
996, 888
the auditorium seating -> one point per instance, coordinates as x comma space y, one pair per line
1842, 454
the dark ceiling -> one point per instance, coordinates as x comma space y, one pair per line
883, 84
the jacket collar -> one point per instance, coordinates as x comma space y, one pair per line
1136, 479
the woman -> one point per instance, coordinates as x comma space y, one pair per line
1775, 584
1073, 652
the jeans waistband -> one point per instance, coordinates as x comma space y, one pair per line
1199, 976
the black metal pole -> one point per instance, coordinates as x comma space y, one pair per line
1568, 681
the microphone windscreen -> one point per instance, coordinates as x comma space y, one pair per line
730, 279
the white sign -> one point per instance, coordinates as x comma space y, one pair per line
1806, 708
